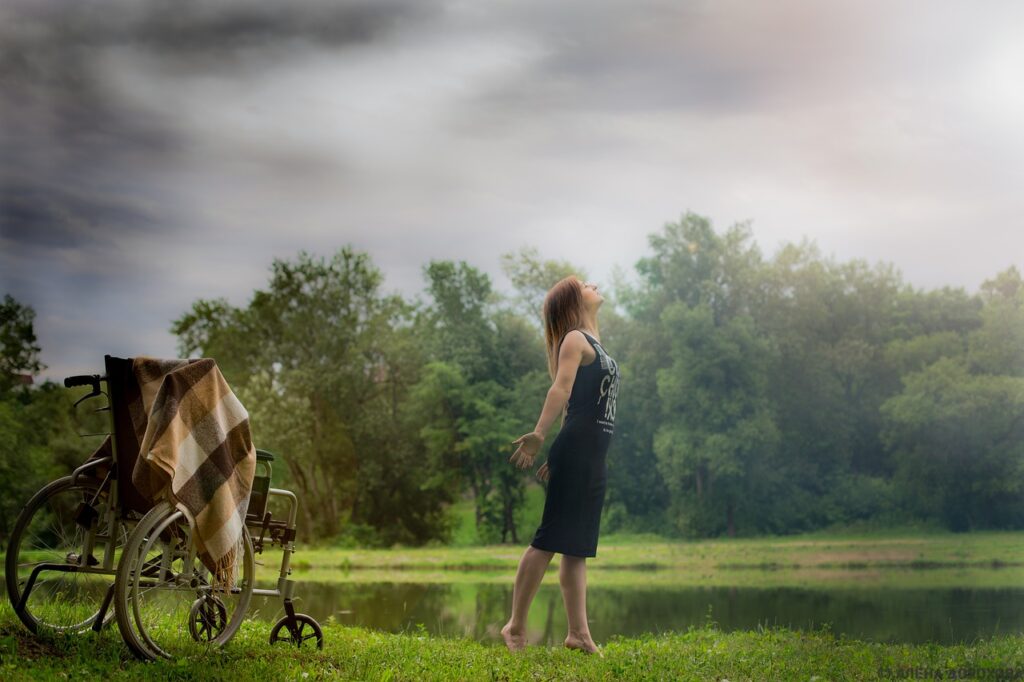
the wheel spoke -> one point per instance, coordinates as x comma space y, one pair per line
178, 614
46, 532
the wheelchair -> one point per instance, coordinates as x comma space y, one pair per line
88, 550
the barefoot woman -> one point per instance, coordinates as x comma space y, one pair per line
586, 383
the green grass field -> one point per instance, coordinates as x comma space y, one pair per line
526, 517
905, 557
354, 653
835, 560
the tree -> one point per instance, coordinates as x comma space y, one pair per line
327, 363
19, 353
468, 426
718, 423
958, 440
467, 395
532, 277
955, 430
459, 318
701, 367
997, 347
39, 438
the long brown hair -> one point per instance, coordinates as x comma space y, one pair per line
563, 312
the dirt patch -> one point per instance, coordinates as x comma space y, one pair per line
28, 645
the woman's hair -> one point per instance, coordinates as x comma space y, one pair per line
563, 312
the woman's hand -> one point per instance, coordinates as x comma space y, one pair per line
529, 444
543, 473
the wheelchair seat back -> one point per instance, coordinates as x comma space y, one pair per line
260, 486
124, 393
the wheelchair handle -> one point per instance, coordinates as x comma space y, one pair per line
83, 380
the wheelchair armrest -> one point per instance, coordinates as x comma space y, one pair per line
91, 464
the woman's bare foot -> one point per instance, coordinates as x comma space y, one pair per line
515, 641
584, 644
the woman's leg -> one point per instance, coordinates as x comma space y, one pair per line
528, 576
572, 575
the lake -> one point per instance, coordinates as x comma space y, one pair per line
941, 605
478, 610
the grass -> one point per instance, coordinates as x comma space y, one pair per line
827, 579
896, 557
356, 653
526, 517
988, 549
835, 560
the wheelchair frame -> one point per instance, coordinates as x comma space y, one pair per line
124, 504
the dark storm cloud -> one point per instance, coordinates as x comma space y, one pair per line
88, 177
65, 141
82, 165
193, 27
71, 146
50, 217
70, 153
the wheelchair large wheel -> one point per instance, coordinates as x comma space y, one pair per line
50, 538
165, 602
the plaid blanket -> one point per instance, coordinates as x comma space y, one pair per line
196, 450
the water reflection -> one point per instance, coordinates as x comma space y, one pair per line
477, 611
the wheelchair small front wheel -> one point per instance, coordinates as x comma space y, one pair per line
297, 631
207, 618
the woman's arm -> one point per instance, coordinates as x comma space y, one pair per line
570, 354
569, 357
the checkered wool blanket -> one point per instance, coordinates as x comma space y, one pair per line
196, 450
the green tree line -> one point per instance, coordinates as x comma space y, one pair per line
760, 394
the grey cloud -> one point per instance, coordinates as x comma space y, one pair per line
726, 57
197, 28
630, 57
72, 153
34, 216
87, 194
71, 146
418, 129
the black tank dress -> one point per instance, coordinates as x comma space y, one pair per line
576, 461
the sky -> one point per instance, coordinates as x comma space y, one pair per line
157, 153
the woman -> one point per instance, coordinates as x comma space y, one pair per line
585, 383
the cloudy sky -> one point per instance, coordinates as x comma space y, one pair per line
155, 152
